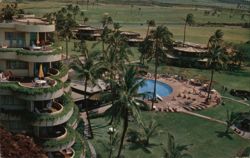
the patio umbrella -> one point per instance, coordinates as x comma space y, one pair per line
40, 73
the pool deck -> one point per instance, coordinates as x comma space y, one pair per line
185, 97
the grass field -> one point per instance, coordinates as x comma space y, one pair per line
201, 136
132, 19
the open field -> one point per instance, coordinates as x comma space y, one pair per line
173, 17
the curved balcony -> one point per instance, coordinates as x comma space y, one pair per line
39, 55
30, 91
40, 90
61, 74
47, 119
67, 88
25, 27
66, 153
55, 133
43, 54
73, 121
55, 108
52, 145
79, 146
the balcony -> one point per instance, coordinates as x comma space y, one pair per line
66, 153
74, 119
56, 118
36, 54
52, 145
55, 132
61, 74
41, 89
55, 108
25, 88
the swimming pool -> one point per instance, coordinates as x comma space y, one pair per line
162, 89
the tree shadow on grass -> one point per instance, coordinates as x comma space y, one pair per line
223, 134
143, 147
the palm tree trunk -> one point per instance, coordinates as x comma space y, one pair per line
155, 75
147, 31
210, 85
67, 47
112, 101
184, 38
87, 109
125, 126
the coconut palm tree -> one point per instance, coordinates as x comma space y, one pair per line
87, 71
145, 48
70, 7
215, 39
86, 19
231, 118
126, 100
149, 130
150, 23
82, 14
75, 11
106, 20
175, 151
217, 57
65, 29
188, 21
162, 42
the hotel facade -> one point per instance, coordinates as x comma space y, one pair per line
34, 87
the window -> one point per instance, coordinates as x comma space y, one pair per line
12, 64
10, 36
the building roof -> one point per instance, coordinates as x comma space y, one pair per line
89, 28
191, 49
91, 90
130, 33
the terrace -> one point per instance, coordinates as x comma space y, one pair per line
54, 132
66, 153
50, 108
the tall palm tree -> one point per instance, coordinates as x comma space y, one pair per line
175, 151
82, 14
145, 48
217, 57
162, 42
75, 11
151, 23
86, 19
215, 39
126, 100
188, 21
66, 30
106, 20
88, 71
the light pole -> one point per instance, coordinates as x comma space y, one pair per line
111, 132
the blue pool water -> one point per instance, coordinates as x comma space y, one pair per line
162, 89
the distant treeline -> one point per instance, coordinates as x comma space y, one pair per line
236, 1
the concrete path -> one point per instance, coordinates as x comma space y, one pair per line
202, 116
239, 101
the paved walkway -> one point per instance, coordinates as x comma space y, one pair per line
239, 101
202, 116
86, 130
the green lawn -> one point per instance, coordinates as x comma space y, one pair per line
173, 17
201, 135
